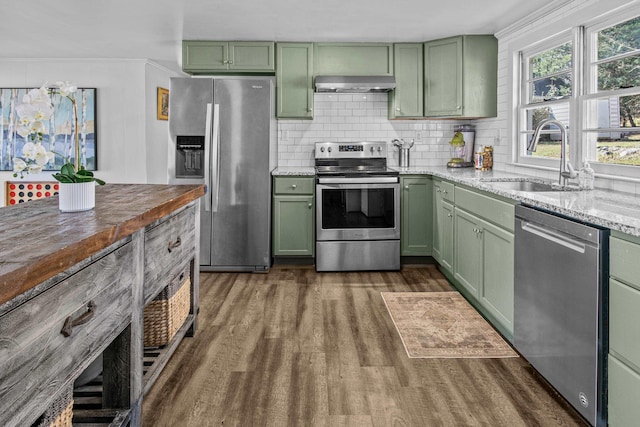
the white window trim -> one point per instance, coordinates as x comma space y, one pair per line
622, 172
520, 158
582, 93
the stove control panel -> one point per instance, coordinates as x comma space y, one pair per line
350, 150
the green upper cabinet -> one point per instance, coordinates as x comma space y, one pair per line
407, 100
416, 225
460, 77
353, 59
294, 80
201, 56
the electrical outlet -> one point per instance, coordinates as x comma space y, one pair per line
498, 138
418, 136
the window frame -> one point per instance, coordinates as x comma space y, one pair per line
523, 104
592, 94
583, 33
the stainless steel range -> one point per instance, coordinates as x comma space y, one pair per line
357, 207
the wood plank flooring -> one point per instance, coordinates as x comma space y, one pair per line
298, 348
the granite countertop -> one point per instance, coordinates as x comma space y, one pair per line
614, 210
38, 241
294, 170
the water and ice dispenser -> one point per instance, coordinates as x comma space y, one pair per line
190, 156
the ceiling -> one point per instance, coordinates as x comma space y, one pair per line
153, 29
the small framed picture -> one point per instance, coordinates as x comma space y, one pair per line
163, 103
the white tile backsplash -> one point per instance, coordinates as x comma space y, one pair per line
353, 117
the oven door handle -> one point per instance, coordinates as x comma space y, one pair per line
358, 180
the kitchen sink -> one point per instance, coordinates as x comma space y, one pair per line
532, 186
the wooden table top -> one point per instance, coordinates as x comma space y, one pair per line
37, 241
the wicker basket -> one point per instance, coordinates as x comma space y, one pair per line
167, 312
60, 413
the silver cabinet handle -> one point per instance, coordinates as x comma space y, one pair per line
310, 205
294, 186
406, 187
449, 215
438, 190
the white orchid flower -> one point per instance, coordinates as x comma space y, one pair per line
35, 168
29, 150
42, 156
24, 130
66, 88
19, 165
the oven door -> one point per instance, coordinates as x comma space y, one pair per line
360, 208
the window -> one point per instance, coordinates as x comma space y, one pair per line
588, 79
612, 102
547, 87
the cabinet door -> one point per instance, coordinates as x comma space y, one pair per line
437, 221
467, 252
294, 77
251, 56
416, 227
407, 100
496, 292
353, 59
204, 55
443, 77
293, 226
447, 241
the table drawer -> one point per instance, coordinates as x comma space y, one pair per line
624, 258
494, 210
294, 185
36, 359
168, 248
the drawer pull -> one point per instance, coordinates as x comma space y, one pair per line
173, 245
70, 322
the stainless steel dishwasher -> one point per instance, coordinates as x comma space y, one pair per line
560, 306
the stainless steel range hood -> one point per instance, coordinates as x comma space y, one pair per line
355, 84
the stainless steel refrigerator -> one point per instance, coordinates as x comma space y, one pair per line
223, 135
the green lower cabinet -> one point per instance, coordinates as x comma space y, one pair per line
484, 266
496, 293
416, 200
467, 252
442, 228
624, 394
293, 225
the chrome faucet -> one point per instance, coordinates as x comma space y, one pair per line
566, 170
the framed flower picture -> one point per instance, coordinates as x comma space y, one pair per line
58, 132
163, 103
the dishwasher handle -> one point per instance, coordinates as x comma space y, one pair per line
555, 236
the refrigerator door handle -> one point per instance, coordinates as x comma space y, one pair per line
216, 157
207, 158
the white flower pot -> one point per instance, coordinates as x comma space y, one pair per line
77, 197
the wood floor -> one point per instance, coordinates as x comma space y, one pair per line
300, 348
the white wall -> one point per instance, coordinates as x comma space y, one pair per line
132, 144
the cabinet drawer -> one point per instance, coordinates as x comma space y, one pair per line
168, 248
447, 191
36, 358
624, 258
489, 208
624, 394
294, 185
624, 317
